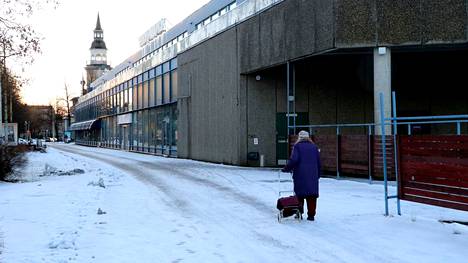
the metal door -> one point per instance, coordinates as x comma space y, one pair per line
282, 136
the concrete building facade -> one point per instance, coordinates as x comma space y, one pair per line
233, 71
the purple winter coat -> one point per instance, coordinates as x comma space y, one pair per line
305, 165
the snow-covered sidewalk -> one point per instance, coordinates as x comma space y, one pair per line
129, 207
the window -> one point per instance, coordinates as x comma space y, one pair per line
122, 100
145, 94
140, 130
159, 131
166, 88
135, 94
232, 6
174, 88
145, 130
140, 96
158, 70
152, 101
135, 131
173, 125
166, 67
152, 130
130, 96
159, 90
113, 100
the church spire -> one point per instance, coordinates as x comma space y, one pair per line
98, 42
97, 64
98, 24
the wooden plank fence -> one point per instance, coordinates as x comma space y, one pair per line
434, 170
354, 154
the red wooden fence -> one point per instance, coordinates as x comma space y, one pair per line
434, 170
353, 153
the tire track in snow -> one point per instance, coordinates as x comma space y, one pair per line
1, 245
137, 173
336, 246
187, 176
183, 174
180, 173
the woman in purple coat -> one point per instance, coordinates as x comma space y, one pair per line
305, 165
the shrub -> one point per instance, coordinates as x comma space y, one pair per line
11, 156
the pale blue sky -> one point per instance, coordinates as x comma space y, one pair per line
68, 33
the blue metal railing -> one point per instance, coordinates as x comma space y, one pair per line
394, 121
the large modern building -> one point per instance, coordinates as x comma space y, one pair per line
214, 87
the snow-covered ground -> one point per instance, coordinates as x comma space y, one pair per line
154, 209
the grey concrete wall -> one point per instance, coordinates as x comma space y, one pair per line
330, 99
261, 116
298, 28
400, 22
289, 30
209, 109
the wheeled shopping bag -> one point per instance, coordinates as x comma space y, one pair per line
288, 205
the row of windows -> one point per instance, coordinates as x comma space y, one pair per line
152, 46
216, 15
152, 131
153, 88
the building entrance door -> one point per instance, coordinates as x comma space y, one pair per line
282, 135
125, 138
166, 137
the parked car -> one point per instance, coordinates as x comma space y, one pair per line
22, 141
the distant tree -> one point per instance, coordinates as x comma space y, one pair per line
64, 102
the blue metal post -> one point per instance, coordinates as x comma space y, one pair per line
294, 96
337, 152
287, 100
409, 129
369, 148
458, 128
395, 147
384, 149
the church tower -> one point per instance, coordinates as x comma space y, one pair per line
97, 64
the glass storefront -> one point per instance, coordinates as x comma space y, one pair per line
150, 98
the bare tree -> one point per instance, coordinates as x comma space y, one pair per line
17, 40
67, 101
63, 106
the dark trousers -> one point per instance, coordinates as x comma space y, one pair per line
311, 204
